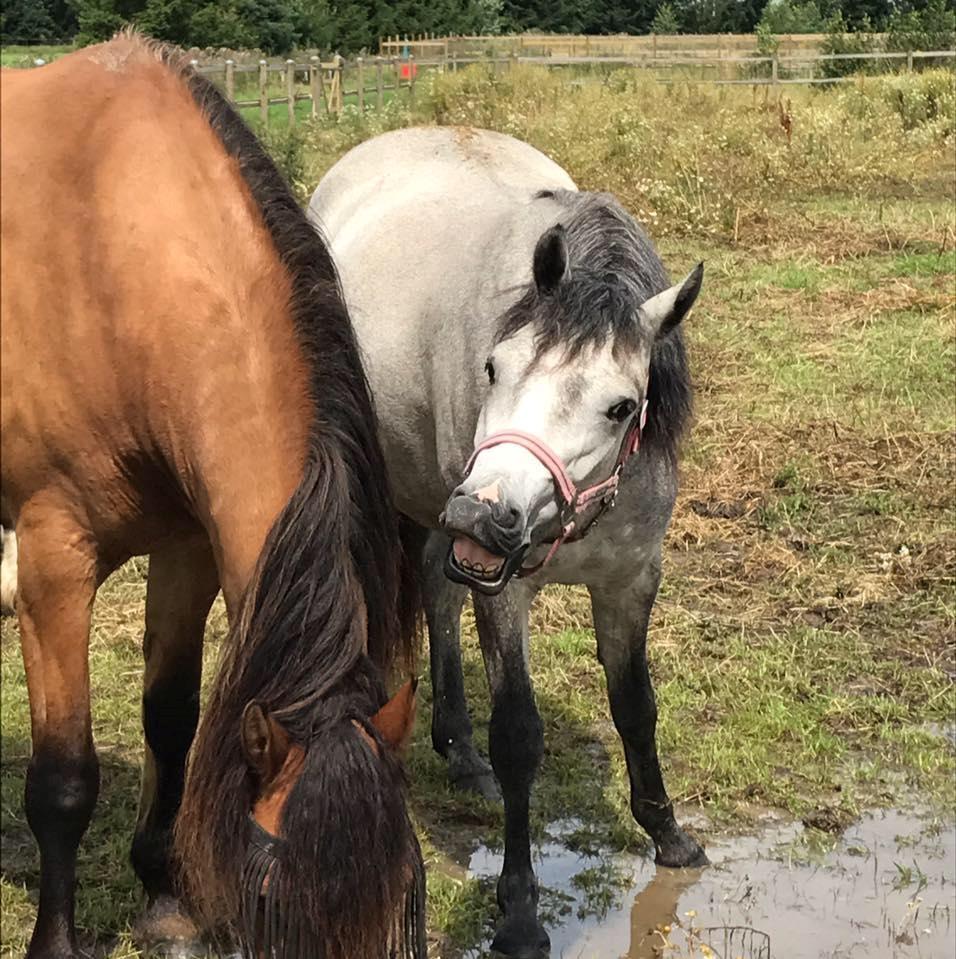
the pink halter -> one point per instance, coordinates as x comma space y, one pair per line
575, 501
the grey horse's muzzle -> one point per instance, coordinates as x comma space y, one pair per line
488, 542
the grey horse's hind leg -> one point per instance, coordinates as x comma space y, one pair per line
516, 739
451, 725
621, 617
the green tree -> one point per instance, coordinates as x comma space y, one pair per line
719, 16
665, 20
222, 25
791, 16
167, 20
97, 20
839, 39
28, 21
861, 15
932, 28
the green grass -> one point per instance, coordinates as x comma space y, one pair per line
25, 56
802, 643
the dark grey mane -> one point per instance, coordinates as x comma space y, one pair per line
613, 269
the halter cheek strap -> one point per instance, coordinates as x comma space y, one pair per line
572, 501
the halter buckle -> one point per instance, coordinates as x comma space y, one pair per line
568, 515
610, 497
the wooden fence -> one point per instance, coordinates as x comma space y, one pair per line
709, 45
367, 83
326, 86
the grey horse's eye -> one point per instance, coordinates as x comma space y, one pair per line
619, 412
490, 370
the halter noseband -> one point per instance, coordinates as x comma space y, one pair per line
573, 501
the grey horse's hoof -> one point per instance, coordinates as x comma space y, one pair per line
521, 938
678, 850
469, 773
166, 932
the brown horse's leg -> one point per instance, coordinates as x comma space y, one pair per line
57, 583
182, 585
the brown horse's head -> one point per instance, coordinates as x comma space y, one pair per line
293, 895
276, 762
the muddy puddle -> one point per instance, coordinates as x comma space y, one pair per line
885, 888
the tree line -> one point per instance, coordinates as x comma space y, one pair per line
349, 26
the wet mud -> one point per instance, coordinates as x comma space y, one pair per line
885, 888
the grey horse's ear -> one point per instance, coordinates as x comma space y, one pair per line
665, 310
550, 259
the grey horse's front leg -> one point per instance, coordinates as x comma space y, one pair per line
451, 725
516, 740
621, 617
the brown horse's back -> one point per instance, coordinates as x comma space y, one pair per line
130, 244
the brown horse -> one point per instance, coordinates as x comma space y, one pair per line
180, 378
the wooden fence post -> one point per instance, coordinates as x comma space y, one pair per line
396, 72
775, 70
411, 78
340, 91
909, 61
315, 81
264, 92
231, 79
290, 89
360, 83
379, 84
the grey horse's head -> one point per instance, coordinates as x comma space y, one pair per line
569, 367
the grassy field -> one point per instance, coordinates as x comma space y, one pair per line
18, 56
803, 645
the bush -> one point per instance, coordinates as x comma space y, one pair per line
791, 16
924, 104
767, 46
839, 40
932, 28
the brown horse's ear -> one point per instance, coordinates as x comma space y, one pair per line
394, 721
264, 744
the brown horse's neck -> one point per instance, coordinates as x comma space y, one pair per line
249, 444
236, 413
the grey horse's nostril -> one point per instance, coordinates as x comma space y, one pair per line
506, 517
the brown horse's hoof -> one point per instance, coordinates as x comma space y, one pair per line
166, 932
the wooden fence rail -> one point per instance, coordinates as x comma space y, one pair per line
366, 82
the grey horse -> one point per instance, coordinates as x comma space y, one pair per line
504, 313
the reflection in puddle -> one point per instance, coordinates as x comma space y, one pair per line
884, 889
